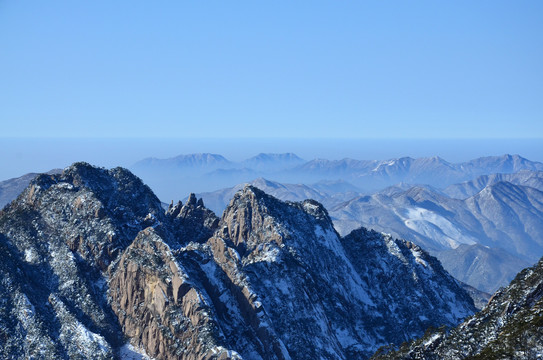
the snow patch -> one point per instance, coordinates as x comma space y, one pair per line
129, 352
432, 339
436, 227
30, 255
85, 336
418, 257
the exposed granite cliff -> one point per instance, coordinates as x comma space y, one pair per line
91, 262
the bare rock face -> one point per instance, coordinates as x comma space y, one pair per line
58, 240
169, 302
157, 306
315, 290
90, 261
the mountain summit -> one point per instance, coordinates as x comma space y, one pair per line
94, 268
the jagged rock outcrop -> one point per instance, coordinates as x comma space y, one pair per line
321, 299
509, 327
57, 241
406, 282
157, 306
193, 220
91, 262
11, 188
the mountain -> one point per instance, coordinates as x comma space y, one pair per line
477, 239
481, 266
218, 200
502, 216
506, 164
466, 189
93, 267
328, 193
191, 161
433, 171
11, 188
272, 162
57, 242
173, 177
315, 282
509, 327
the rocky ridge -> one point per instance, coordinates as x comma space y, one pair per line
92, 262
509, 327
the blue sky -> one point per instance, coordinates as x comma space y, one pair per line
357, 69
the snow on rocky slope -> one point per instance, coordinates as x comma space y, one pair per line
91, 261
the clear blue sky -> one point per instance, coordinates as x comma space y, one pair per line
413, 69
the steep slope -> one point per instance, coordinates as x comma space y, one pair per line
91, 259
322, 302
502, 216
163, 308
58, 239
510, 327
481, 266
533, 179
91, 262
11, 188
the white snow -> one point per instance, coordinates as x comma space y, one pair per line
85, 336
432, 339
309, 207
26, 311
269, 255
30, 255
436, 227
417, 254
129, 352
382, 164
64, 185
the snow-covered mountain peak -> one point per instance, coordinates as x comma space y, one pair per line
270, 280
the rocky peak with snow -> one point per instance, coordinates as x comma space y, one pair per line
57, 242
192, 221
314, 285
509, 327
91, 262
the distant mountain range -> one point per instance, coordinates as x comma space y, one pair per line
483, 240
484, 229
501, 215
466, 189
270, 279
207, 172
